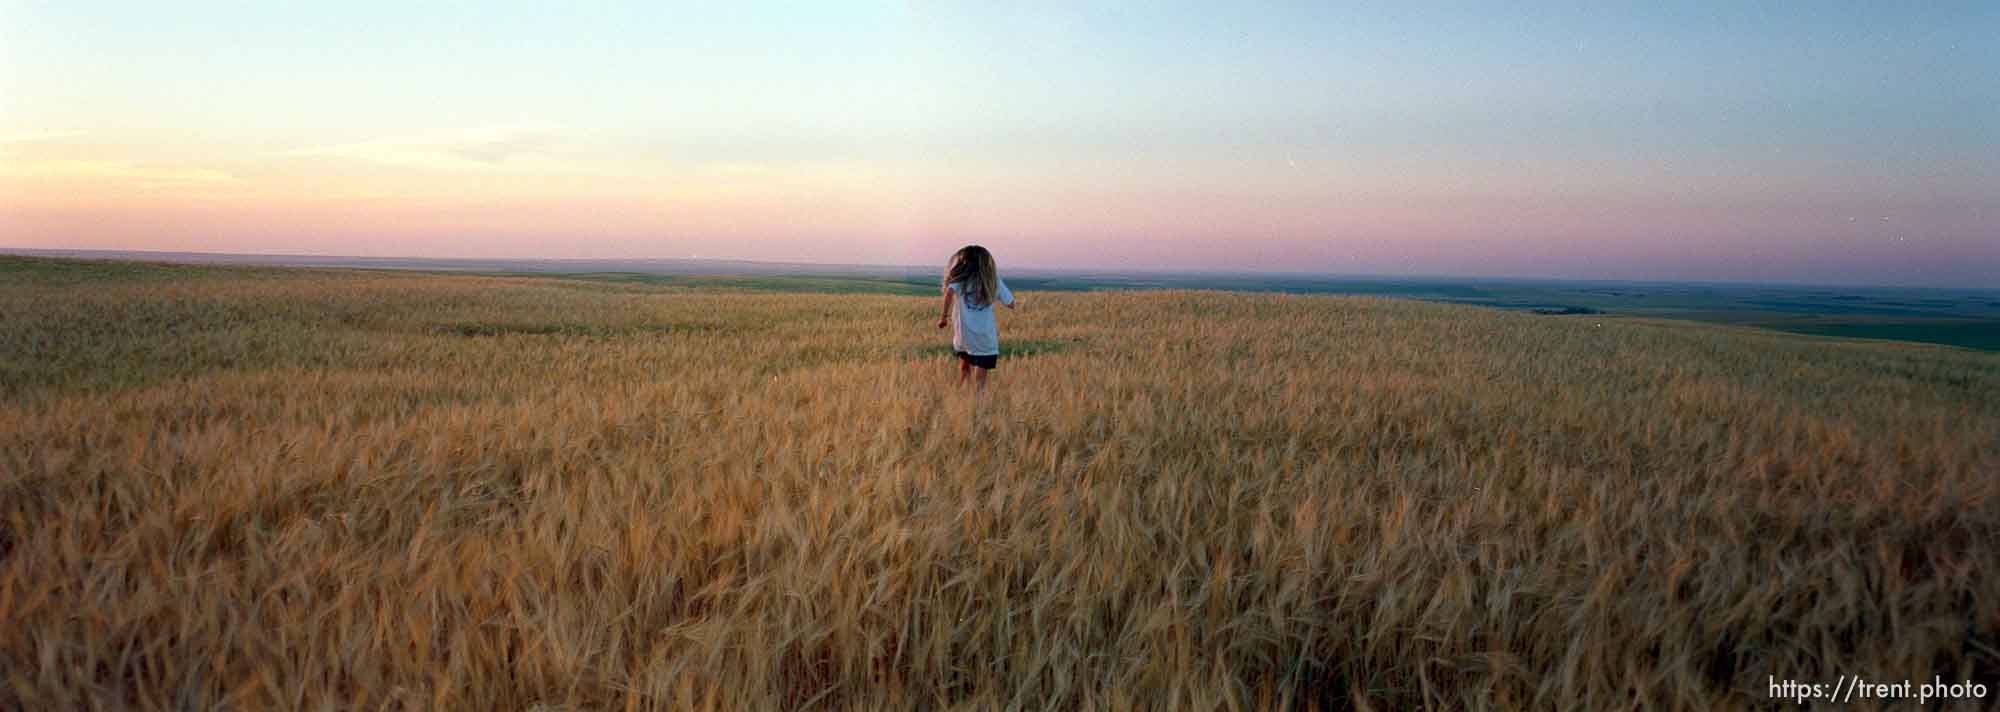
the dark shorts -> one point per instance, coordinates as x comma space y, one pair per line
987, 361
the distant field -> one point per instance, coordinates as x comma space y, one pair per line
1968, 318
1964, 318
1984, 335
264, 488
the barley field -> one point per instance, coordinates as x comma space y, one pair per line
238, 488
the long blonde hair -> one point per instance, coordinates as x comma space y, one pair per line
973, 266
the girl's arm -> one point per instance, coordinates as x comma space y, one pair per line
945, 316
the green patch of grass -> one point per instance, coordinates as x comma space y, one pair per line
1982, 335
65, 272
48, 271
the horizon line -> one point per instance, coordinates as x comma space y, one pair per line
114, 253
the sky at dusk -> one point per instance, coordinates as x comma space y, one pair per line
1827, 142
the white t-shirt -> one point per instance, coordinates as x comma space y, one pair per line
973, 328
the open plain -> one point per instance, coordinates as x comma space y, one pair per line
266, 488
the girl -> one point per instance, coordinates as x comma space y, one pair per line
971, 285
